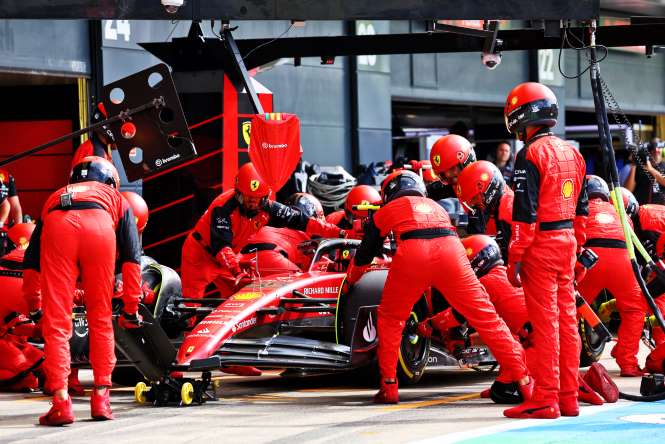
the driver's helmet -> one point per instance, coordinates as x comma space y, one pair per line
483, 253
307, 204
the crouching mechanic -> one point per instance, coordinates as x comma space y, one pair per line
81, 225
482, 190
350, 218
210, 252
429, 254
550, 200
485, 258
275, 250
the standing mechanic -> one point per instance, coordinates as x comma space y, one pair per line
211, 249
80, 227
604, 234
429, 254
549, 214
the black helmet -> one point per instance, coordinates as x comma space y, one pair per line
402, 183
307, 204
596, 188
483, 253
97, 169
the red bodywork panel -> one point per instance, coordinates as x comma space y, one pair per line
238, 313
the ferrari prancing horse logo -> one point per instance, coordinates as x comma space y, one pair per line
246, 131
254, 185
567, 189
437, 160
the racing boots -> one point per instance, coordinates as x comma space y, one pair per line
61, 413
388, 393
631, 372
600, 381
569, 406
534, 409
100, 405
585, 394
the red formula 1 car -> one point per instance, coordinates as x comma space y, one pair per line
284, 321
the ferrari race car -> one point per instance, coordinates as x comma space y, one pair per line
284, 321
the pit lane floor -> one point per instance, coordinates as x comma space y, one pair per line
444, 407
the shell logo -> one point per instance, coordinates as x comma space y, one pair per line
23, 242
604, 218
248, 296
437, 160
423, 208
513, 100
254, 185
567, 189
484, 177
469, 252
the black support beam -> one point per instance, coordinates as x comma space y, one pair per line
304, 9
185, 55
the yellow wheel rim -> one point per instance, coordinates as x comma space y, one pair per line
187, 393
405, 368
139, 393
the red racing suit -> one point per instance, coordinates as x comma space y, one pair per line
429, 254
91, 147
210, 251
275, 250
604, 235
80, 240
352, 230
550, 199
649, 227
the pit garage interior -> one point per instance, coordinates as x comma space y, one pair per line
360, 101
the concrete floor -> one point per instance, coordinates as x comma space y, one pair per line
275, 409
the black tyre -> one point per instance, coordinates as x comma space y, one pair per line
414, 349
592, 344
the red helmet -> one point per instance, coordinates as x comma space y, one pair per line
483, 253
20, 235
530, 104
249, 183
629, 202
596, 188
480, 185
93, 168
139, 208
307, 204
361, 194
451, 151
402, 183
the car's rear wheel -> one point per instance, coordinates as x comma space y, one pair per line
592, 344
414, 349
